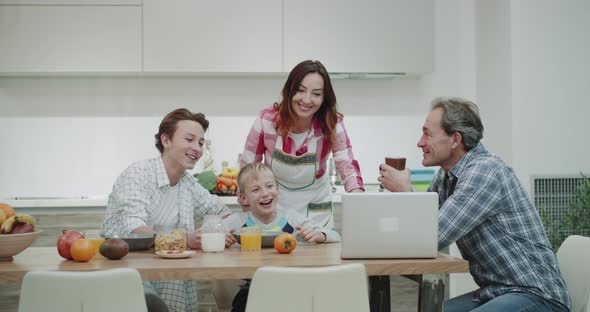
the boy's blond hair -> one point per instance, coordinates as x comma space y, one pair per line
252, 171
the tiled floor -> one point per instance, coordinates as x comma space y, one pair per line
404, 296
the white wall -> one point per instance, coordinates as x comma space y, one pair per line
550, 68
71, 136
531, 68
493, 72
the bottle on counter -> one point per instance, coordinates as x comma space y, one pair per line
224, 165
206, 162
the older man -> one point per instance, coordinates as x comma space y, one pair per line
486, 211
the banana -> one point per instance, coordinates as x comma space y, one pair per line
7, 225
26, 218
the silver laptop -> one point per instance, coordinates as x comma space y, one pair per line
389, 225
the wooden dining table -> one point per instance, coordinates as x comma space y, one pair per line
234, 264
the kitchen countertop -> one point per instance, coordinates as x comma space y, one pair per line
43, 202
97, 204
92, 203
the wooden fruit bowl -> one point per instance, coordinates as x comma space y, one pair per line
13, 244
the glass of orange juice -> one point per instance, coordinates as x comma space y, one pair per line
251, 238
95, 238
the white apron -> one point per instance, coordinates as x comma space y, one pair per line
300, 192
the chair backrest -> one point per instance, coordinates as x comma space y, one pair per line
108, 290
574, 263
331, 288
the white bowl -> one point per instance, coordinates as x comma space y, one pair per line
13, 244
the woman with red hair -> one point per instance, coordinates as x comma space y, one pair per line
296, 136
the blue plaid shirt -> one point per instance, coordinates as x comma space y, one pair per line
485, 209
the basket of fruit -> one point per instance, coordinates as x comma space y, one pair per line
17, 232
226, 184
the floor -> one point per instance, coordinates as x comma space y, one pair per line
404, 296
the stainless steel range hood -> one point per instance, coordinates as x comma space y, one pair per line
367, 75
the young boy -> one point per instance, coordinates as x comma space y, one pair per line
259, 189
257, 186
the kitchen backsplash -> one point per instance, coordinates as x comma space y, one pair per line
66, 156
73, 136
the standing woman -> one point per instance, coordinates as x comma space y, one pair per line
295, 137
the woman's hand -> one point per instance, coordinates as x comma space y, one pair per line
310, 235
394, 180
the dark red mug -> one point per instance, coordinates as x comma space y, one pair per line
398, 163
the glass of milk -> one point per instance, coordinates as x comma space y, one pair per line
212, 234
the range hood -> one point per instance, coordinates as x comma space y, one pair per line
367, 75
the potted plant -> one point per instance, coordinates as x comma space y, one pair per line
576, 220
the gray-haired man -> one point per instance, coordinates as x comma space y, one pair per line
485, 210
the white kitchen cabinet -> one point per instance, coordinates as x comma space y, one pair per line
351, 36
64, 38
70, 2
212, 36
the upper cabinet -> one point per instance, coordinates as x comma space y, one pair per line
60, 37
351, 36
213, 36
221, 36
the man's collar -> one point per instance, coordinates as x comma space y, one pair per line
161, 174
462, 163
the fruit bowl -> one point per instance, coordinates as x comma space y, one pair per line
135, 241
13, 244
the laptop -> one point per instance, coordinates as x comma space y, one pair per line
389, 225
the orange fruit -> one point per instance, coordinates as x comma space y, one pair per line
82, 250
8, 210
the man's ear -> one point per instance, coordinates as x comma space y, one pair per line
457, 139
164, 139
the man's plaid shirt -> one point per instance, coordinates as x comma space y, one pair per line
485, 209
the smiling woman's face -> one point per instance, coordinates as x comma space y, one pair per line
309, 96
186, 146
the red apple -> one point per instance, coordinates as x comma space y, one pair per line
64, 242
22, 228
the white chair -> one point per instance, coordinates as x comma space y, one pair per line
574, 263
108, 290
331, 288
